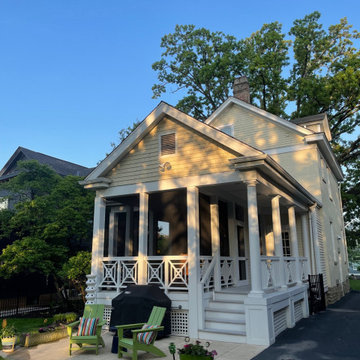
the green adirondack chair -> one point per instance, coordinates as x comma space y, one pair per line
90, 311
156, 318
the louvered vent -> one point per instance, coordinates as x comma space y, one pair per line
168, 144
298, 310
280, 321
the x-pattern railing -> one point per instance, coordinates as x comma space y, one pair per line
227, 271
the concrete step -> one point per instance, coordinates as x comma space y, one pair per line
223, 335
236, 315
223, 324
228, 305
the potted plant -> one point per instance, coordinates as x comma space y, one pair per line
196, 351
8, 338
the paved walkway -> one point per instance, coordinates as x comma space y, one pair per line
59, 350
332, 335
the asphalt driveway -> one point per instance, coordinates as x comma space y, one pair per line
333, 334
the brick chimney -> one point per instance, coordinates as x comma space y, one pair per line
241, 89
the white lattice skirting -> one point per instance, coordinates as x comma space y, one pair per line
179, 322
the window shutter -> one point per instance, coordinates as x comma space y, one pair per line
168, 144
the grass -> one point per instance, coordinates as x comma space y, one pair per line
24, 325
355, 284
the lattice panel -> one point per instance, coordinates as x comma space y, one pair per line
107, 314
179, 322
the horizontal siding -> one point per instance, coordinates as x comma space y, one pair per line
256, 130
195, 155
304, 167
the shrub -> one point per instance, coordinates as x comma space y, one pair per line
66, 317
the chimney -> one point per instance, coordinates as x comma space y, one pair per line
241, 89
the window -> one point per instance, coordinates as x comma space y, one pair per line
328, 173
227, 129
167, 144
286, 243
322, 169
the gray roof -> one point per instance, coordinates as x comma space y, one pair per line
310, 118
61, 167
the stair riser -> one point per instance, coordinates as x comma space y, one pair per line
224, 326
226, 306
218, 315
222, 337
229, 297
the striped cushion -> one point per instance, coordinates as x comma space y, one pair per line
147, 337
87, 326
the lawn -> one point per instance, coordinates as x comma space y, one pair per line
355, 284
25, 325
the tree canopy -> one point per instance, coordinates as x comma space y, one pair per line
307, 71
51, 223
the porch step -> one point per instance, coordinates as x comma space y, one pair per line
225, 314
223, 335
228, 305
229, 296
225, 324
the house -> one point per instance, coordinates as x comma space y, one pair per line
228, 216
10, 170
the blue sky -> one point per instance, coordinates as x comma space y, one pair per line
73, 73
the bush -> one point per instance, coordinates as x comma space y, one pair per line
66, 317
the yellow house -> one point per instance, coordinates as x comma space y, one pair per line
228, 216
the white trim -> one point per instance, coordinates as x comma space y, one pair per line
276, 119
325, 149
151, 121
169, 184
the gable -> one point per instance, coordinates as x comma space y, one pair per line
256, 130
196, 154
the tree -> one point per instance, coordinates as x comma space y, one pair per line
47, 227
203, 63
76, 270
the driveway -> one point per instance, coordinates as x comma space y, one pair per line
333, 334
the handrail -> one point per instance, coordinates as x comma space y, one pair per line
208, 270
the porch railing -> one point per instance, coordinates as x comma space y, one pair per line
207, 278
119, 272
304, 269
290, 270
270, 271
227, 271
170, 272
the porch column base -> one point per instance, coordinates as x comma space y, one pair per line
259, 321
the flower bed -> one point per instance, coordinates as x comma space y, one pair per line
33, 339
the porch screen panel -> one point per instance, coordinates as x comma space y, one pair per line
168, 223
205, 225
223, 228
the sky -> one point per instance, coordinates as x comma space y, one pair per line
75, 72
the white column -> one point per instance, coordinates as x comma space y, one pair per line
254, 240
143, 237
314, 230
215, 240
193, 238
305, 233
276, 220
98, 238
294, 243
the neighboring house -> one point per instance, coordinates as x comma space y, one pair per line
10, 170
227, 216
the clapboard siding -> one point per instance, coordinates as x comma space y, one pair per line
195, 155
255, 130
303, 166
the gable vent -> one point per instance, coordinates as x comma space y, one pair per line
168, 145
